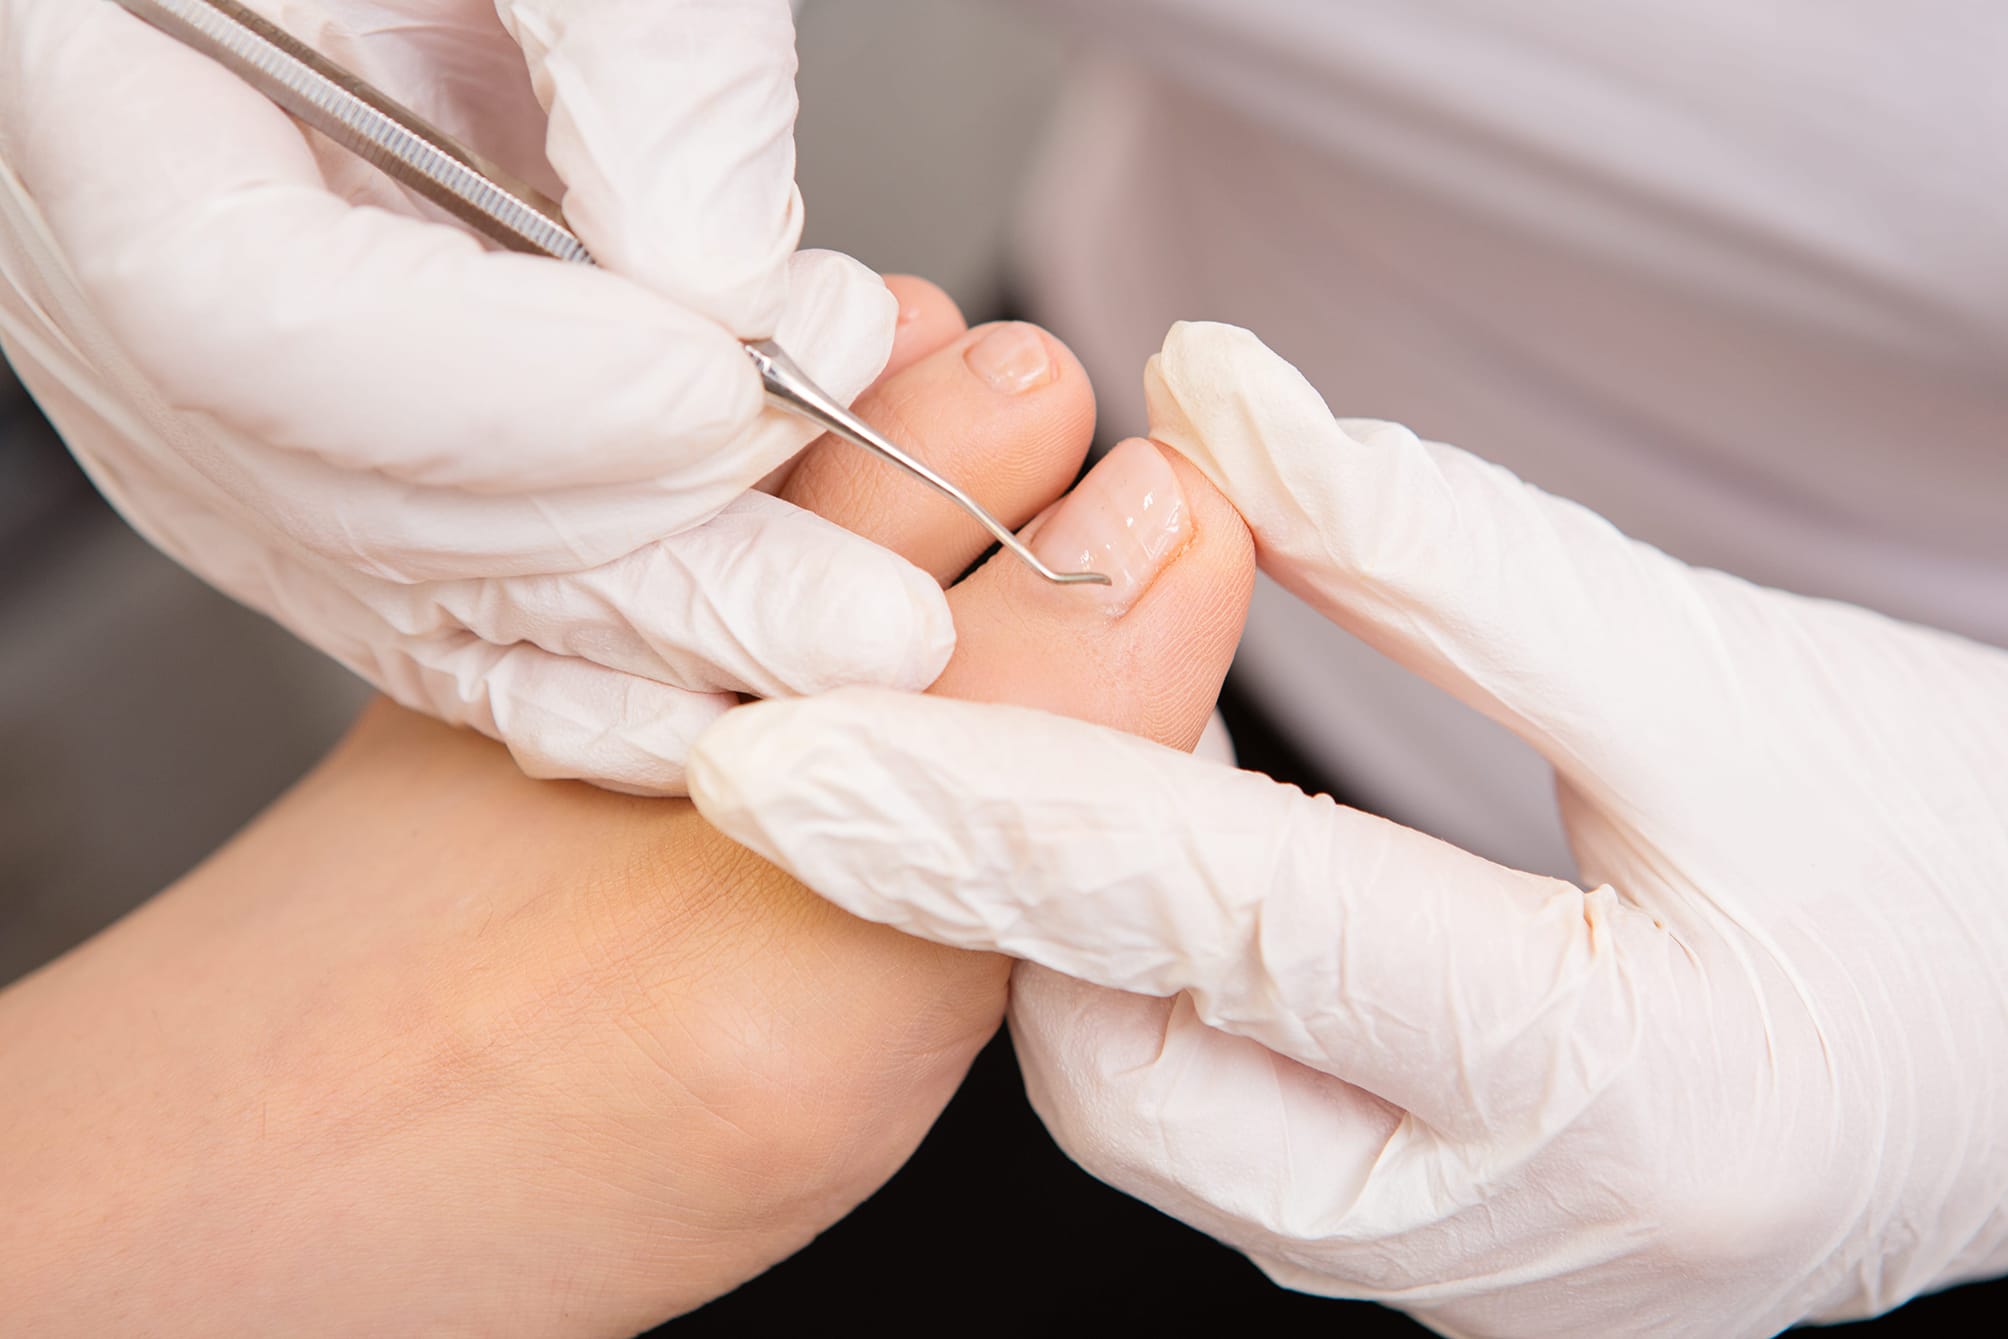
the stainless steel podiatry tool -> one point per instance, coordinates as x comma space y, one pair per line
321, 94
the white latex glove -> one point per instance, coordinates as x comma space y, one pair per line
507, 491
1754, 1070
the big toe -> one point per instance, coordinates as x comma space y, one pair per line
1145, 653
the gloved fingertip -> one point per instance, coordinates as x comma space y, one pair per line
1187, 341
1203, 354
672, 126
745, 763
810, 607
734, 745
890, 631
1225, 401
839, 321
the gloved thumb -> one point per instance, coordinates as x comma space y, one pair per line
672, 123
1347, 943
1531, 609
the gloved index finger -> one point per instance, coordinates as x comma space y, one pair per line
1473, 996
672, 123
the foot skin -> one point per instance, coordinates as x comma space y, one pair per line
433, 1047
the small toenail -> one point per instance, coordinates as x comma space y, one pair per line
1012, 357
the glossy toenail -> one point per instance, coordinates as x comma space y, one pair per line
1126, 520
1012, 357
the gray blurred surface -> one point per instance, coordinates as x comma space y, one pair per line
144, 718
919, 118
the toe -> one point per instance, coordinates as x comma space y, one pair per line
1146, 653
1004, 410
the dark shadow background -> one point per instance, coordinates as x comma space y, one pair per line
989, 1230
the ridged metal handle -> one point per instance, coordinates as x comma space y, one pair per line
386, 134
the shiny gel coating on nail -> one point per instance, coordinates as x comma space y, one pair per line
1126, 520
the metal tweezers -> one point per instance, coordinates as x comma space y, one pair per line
321, 94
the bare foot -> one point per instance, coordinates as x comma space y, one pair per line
431, 1046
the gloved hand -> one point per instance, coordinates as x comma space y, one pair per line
1753, 1070
507, 491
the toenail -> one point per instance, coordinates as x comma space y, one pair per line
1126, 520
1011, 357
